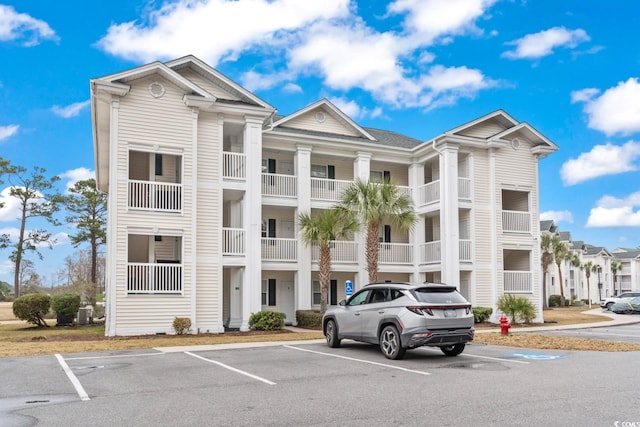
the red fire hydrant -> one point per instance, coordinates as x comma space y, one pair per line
504, 325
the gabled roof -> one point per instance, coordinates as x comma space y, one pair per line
541, 143
548, 226
565, 236
499, 116
630, 254
330, 108
596, 250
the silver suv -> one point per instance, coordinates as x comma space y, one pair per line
401, 316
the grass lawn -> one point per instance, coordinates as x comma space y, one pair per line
21, 339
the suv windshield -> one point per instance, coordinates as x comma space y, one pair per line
439, 296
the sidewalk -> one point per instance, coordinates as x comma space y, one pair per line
616, 319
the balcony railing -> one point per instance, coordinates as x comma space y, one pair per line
328, 189
516, 221
429, 193
518, 281
233, 241
430, 252
234, 165
464, 188
395, 253
279, 185
465, 250
341, 252
406, 191
277, 249
155, 196
152, 278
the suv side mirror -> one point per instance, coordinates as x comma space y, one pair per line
342, 302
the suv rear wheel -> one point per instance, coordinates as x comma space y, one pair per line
390, 343
331, 333
452, 350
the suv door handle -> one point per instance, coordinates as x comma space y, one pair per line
356, 314
381, 312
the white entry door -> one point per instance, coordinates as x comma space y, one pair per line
287, 302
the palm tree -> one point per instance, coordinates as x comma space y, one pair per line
320, 230
560, 253
373, 203
616, 267
589, 267
546, 259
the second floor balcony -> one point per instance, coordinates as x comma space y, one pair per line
516, 221
155, 196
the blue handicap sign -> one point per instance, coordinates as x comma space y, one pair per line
348, 288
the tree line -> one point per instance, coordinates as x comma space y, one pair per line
83, 207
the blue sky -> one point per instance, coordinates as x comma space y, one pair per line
420, 67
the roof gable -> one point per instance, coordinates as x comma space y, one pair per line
485, 126
323, 116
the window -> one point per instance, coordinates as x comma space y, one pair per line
269, 292
380, 176
158, 164
317, 293
385, 234
359, 298
316, 298
333, 292
319, 171
268, 165
269, 227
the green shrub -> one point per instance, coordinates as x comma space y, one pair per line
554, 300
309, 318
266, 320
32, 308
482, 314
65, 304
182, 325
516, 308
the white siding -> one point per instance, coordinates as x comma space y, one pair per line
207, 85
483, 130
330, 124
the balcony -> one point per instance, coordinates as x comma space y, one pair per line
465, 250
518, 281
277, 249
233, 241
154, 278
329, 190
234, 166
464, 188
429, 193
341, 252
395, 253
155, 196
516, 222
279, 185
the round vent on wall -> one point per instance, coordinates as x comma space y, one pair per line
156, 89
320, 117
515, 143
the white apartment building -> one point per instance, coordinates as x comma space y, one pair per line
206, 180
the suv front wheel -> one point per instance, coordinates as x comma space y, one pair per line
331, 333
390, 343
452, 350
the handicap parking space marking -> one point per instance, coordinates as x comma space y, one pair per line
353, 359
477, 356
534, 356
255, 377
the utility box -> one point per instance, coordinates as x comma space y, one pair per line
85, 315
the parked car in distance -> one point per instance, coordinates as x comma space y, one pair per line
402, 316
627, 306
625, 296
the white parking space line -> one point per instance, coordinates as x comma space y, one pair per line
359, 360
479, 357
74, 380
255, 377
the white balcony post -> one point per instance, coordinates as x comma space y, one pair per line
416, 236
449, 226
303, 276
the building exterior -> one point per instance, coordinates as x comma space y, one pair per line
206, 180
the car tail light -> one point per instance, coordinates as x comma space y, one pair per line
420, 310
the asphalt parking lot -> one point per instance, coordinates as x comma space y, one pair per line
294, 384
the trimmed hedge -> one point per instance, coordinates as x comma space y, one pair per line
554, 300
66, 304
309, 318
482, 314
182, 325
32, 308
266, 320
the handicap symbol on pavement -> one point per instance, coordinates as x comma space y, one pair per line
534, 356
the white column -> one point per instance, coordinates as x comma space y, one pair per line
416, 237
303, 277
449, 227
251, 289
361, 170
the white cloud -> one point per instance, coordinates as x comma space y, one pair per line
602, 160
353, 110
616, 111
557, 216
584, 95
323, 37
71, 110
24, 28
231, 27
11, 209
614, 212
74, 175
7, 131
430, 21
541, 44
